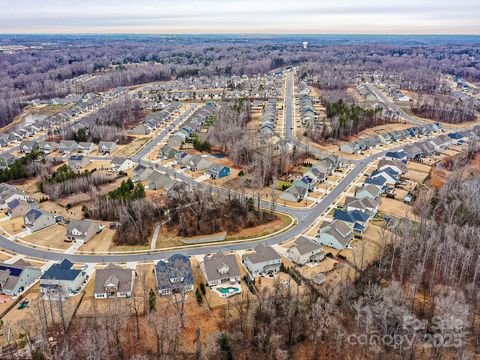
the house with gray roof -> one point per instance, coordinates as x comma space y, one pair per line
350, 148
167, 152
77, 162
113, 281
336, 234
47, 147
6, 159
366, 204
9, 193
305, 250
86, 147
216, 171
67, 146
81, 230
120, 164
198, 162
27, 146
219, 268
107, 147
37, 219
399, 166
262, 261
294, 193
142, 172
16, 277
174, 275
157, 180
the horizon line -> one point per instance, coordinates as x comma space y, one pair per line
235, 34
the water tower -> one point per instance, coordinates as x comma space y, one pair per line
305, 44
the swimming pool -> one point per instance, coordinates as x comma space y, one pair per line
228, 290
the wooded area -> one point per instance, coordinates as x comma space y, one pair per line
44, 73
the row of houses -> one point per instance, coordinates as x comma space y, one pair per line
23, 132
358, 210
192, 125
433, 146
396, 94
366, 93
172, 275
357, 146
67, 147
269, 118
317, 173
155, 119
307, 112
81, 105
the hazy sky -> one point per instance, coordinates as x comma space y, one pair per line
241, 16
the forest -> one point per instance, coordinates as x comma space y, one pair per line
346, 120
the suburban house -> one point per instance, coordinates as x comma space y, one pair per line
61, 280
174, 275
350, 148
20, 207
294, 193
37, 219
77, 162
389, 174
305, 250
219, 268
336, 234
113, 281
86, 147
6, 159
157, 180
370, 191
48, 147
141, 129
199, 162
167, 152
27, 146
120, 164
81, 230
16, 277
358, 219
378, 181
396, 155
9, 193
217, 171
397, 165
316, 174
106, 147
67, 146
141, 173
264, 260
366, 204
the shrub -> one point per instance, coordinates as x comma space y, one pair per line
198, 296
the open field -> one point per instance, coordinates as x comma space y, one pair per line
416, 176
12, 226
396, 208
131, 148
51, 237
